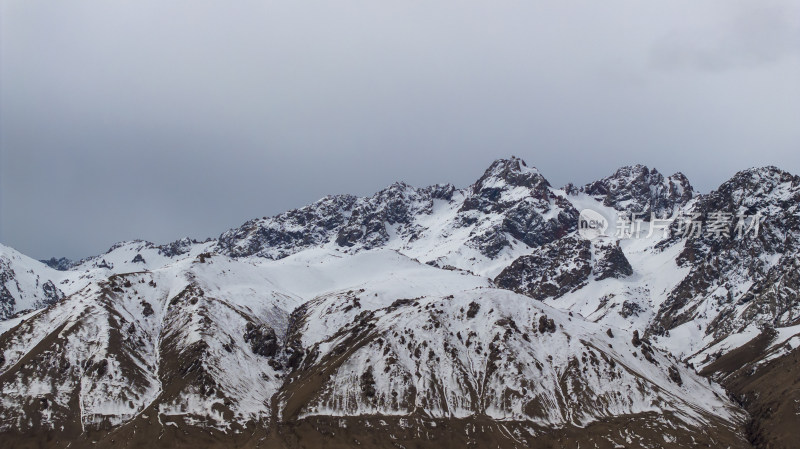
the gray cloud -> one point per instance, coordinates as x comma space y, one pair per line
752, 35
156, 119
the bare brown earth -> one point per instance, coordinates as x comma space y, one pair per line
733, 361
640, 431
770, 392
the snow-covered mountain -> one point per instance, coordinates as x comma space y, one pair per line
421, 317
25, 284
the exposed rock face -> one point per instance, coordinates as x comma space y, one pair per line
562, 266
177, 248
531, 212
610, 262
551, 270
641, 190
289, 232
7, 301
750, 278
546, 324
368, 383
51, 294
630, 308
397, 205
262, 340
490, 192
60, 264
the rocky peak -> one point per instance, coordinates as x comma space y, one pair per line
641, 190
284, 234
397, 204
440, 191
510, 202
512, 172
680, 190
138, 243
60, 264
755, 185
530, 212
177, 248
768, 191
504, 184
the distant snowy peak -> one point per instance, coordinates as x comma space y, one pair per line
25, 284
641, 190
768, 188
60, 264
138, 255
178, 247
504, 184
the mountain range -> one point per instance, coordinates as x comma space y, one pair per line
426, 317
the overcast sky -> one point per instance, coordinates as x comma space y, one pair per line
169, 118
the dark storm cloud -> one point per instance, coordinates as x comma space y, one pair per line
158, 119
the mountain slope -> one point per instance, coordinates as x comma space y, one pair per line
223, 356
25, 284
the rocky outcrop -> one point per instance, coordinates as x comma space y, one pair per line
563, 266
177, 248
289, 232
610, 261
262, 340
551, 270
396, 206
641, 190
60, 264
